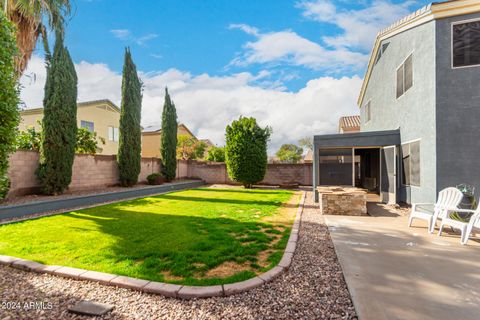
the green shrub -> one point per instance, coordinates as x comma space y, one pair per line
216, 154
246, 151
130, 142
155, 178
9, 116
29, 139
59, 124
189, 148
168, 143
87, 142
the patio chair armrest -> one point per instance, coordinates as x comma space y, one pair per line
415, 205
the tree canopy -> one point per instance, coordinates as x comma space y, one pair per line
216, 154
289, 153
9, 115
130, 141
168, 143
246, 151
59, 121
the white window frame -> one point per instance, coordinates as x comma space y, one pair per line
413, 76
401, 163
113, 137
451, 43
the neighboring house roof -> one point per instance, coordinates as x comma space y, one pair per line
349, 123
79, 105
433, 11
208, 142
308, 156
156, 129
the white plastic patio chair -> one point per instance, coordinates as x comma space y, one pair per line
464, 227
448, 198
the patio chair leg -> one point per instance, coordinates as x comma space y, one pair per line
440, 230
431, 225
410, 220
466, 234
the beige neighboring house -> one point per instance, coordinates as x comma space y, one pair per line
151, 139
100, 116
349, 124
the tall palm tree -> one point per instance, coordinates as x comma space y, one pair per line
29, 17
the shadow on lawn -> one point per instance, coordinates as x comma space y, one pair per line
246, 191
229, 201
148, 245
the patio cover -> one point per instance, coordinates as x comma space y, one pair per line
367, 139
357, 139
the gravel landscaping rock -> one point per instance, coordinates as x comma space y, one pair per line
312, 288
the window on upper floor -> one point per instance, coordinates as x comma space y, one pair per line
87, 125
405, 76
113, 134
381, 51
466, 44
411, 163
368, 112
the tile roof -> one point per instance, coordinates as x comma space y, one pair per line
350, 122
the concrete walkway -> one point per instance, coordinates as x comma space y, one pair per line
396, 272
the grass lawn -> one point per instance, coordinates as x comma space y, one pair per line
201, 236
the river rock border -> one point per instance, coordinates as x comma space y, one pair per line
168, 289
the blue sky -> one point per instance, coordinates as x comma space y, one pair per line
295, 65
197, 35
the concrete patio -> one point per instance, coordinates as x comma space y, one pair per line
396, 272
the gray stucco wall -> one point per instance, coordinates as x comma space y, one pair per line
457, 115
414, 112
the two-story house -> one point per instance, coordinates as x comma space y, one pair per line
420, 109
100, 116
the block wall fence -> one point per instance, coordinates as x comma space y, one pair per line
102, 171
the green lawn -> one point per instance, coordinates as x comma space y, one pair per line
198, 237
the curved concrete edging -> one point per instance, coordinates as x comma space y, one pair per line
168, 289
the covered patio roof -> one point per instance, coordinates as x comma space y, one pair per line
358, 139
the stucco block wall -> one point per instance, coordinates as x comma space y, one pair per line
277, 174
88, 172
414, 112
21, 172
457, 115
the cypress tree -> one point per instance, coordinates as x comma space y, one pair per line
129, 150
168, 143
59, 121
9, 116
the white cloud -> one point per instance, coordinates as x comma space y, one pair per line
290, 48
359, 27
143, 39
245, 28
121, 33
206, 104
126, 35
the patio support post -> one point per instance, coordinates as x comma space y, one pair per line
353, 167
315, 171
